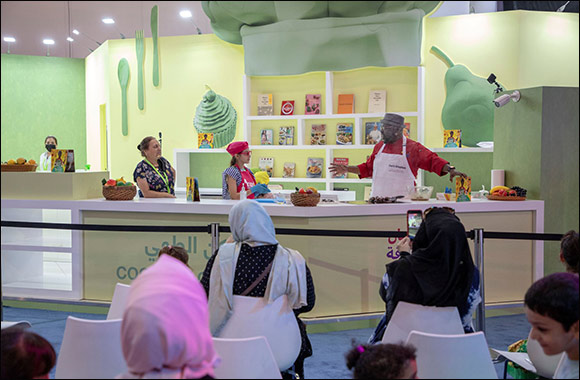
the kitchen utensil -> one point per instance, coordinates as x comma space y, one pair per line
140, 49
123, 73
420, 193
154, 28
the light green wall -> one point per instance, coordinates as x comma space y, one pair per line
522, 48
476, 165
42, 96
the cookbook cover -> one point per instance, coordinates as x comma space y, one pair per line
266, 137
312, 104
345, 103
372, 132
462, 189
452, 138
267, 164
265, 105
344, 134
377, 101
205, 140
286, 136
287, 107
318, 134
289, 169
314, 167
340, 161
58, 158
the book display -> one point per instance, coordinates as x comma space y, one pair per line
266, 137
372, 132
452, 138
318, 134
407, 130
267, 164
286, 136
344, 134
58, 159
377, 101
314, 167
287, 107
265, 105
340, 161
205, 140
345, 103
462, 189
289, 169
312, 106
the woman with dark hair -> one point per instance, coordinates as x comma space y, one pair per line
26, 355
237, 178
154, 175
439, 271
50, 143
570, 250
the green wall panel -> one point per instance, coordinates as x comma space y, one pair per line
476, 165
208, 168
42, 96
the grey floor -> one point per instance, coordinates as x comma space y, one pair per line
329, 348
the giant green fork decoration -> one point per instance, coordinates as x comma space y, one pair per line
468, 104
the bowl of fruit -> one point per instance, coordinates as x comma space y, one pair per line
19, 165
504, 193
308, 197
118, 190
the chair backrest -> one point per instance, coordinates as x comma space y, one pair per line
245, 358
252, 316
431, 319
462, 356
545, 364
90, 350
18, 324
119, 301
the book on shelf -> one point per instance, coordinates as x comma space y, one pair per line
377, 101
345, 103
312, 106
267, 164
289, 169
452, 138
344, 134
70, 161
266, 137
372, 132
462, 189
192, 189
314, 167
340, 161
407, 130
265, 105
318, 134
287, 107
58, 158
286, 136
205, 140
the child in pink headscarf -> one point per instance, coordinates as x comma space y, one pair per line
165, 330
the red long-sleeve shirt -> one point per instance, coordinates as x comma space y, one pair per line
418, 157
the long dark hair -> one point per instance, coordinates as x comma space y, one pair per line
234, 160
25, 355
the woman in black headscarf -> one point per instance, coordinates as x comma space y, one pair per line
439, 272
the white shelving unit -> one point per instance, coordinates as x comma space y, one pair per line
181, 156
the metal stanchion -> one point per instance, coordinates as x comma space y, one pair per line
480, 312
214, 230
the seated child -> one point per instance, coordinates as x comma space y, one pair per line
382, 361
26, 355
551, 306
570, 250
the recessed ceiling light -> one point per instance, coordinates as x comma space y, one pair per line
185, 14
9, 39
48, 41
108, 21
69, 39
76, 32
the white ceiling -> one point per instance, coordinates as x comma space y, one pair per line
29, 22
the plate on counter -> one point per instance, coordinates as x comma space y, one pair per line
505, 198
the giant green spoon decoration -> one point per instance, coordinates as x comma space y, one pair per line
468, 102
123, 73
154, 34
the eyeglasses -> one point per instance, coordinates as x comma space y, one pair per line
247, 153
448, 209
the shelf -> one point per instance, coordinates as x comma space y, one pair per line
462, 150
297, 179
328, 116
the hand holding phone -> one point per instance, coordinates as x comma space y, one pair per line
414, 220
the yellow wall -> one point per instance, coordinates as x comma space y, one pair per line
523, 49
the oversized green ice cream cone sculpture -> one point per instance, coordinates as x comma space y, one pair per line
215, 114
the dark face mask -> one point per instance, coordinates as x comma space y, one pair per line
50, 147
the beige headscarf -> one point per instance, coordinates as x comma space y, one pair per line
251, 224
165, 328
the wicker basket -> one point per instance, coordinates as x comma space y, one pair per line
305, 200
119, 193
19, 168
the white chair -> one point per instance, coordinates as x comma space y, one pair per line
119, 301
431, 319
462, 356
90, 350
18, 324
252, 316
246, 358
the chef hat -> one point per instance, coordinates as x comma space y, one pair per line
237, 147
393, 119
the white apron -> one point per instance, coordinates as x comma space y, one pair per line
392, 174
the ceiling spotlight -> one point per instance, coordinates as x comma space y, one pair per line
9, 39
48, 41
70, 39
185, 14
108, 20
504, 99
76, 32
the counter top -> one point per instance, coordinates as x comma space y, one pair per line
222, 207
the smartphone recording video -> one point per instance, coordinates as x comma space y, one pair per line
414, 220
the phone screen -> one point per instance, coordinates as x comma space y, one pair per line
414, 220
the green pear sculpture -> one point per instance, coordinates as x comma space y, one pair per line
468, 102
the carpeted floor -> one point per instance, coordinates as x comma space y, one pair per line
329, 348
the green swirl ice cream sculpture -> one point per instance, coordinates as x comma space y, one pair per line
215, 114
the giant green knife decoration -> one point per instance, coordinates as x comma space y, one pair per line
154, 26
123, 73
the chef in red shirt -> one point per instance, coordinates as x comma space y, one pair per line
395, 161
